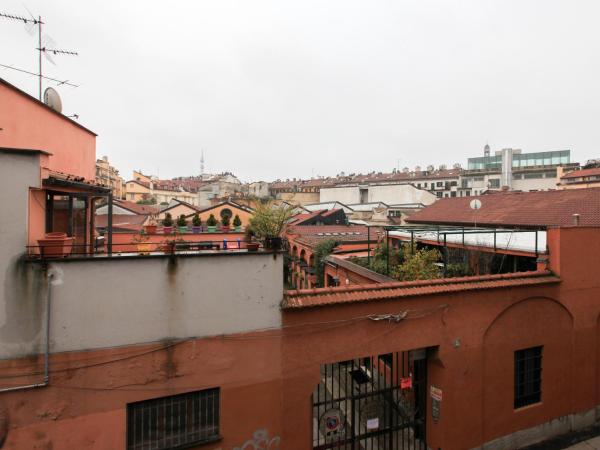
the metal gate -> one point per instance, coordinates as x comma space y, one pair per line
372, 403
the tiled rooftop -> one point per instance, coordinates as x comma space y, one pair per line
136, 207
312, 234
524, 209
306, 298
582, 173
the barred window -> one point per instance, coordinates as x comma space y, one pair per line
528, 376
173, 422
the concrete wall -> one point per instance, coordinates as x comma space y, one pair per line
391, 194
535, 184
20, 314
117, 302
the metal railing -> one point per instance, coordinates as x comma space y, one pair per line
62, 250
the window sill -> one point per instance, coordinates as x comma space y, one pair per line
210, 440
526, 407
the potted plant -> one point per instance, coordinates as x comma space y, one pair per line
150, 227
55, 245
250, 244
268, 223
141, 241
196, 224
237, 223
211, 223
167, 223
225, 224
182, 224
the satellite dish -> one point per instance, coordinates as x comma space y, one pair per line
52, 99
475, 204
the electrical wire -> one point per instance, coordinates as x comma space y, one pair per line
407, 314
60, 82
292, 372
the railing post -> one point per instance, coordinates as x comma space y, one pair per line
369, 246
110, 224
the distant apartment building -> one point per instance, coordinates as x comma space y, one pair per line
588, 176
259, 189
393, 194
149, 188
511, 169
108, 175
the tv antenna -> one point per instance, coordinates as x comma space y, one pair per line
41, 49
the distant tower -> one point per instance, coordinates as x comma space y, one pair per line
202, 163
486, 150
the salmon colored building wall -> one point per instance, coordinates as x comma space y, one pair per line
30, 124
474, 341
342, 274
244, 215
267, 379
85, 407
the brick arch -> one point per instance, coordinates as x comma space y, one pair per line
527, 323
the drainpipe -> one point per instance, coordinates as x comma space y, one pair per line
46, 349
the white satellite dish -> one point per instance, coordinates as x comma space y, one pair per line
475, 204
52, 99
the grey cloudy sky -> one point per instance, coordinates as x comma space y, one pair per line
277, 89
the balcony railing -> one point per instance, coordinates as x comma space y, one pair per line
68, 250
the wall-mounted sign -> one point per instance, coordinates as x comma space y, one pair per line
371, 410
406, 383
436, 393
373, 424
331, 424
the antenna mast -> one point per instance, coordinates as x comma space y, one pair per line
41, 49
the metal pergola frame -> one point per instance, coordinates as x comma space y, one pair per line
85, 190
444, 230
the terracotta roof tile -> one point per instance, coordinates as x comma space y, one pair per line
136, 207
582, 173
524, 209
387, 291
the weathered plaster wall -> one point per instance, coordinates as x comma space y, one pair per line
21, 314
129, 301
118, 302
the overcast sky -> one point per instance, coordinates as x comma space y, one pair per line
278, 89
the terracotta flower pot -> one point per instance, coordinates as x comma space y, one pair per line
212, 229
55, 245
150, 229
167, 230
183, 229
225, 228
252, 246
197, 229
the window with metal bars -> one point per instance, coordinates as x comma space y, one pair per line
528, 376
173, 422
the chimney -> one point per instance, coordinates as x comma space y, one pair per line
576, 220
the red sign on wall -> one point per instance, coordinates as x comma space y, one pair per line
406, 383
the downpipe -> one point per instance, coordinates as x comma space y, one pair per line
46, 349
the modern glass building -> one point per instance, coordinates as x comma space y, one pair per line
521, 160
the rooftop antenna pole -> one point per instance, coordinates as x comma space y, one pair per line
40, 52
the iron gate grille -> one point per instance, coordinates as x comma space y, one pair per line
366, 404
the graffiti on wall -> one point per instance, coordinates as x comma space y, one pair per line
261, 441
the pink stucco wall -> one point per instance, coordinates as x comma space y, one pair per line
26, 123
